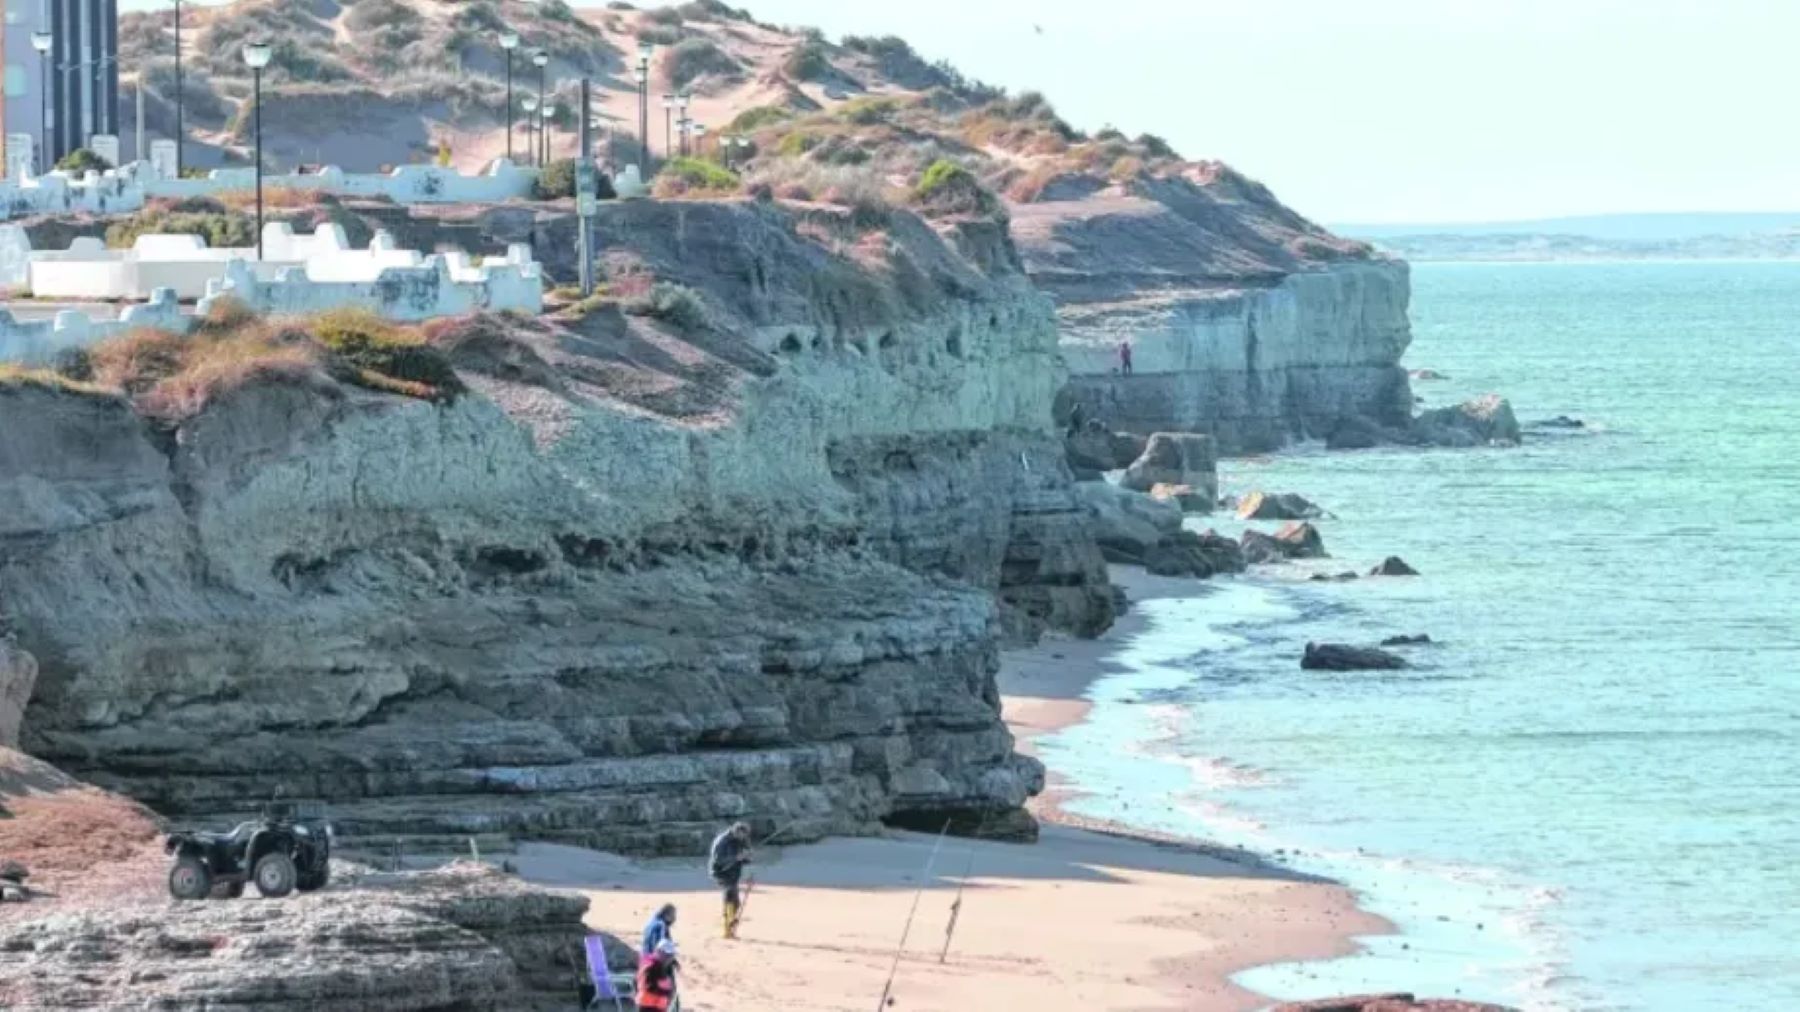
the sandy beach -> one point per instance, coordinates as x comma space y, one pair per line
1088, 918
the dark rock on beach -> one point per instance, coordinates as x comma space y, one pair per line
1395, 1002
1294, 541
1176, 458
1189, 498
1343, 657
1418, 640
1093, 447
1485, 421
1393, 565
1278, 506
1344, 577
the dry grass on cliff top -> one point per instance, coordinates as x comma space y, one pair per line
174, 377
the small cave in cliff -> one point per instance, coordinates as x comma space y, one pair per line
790, 345
500, 560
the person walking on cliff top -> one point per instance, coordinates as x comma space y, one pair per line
658, 931
1125, 357
730, 853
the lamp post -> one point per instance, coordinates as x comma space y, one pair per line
256, 55
509, 41
668, 103
530, 103
731, 143
42, 41
541, 58
681, 106
548, 114
180, 131
642, 76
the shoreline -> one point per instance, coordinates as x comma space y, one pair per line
1044, 691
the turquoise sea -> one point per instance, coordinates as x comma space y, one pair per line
1588, 795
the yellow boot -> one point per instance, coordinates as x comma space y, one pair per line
731, 920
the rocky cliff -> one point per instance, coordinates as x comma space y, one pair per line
739, 548
1246, 321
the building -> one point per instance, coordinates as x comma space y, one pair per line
83, 71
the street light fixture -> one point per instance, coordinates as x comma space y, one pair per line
642, 77
530, 103
682, 101
180, 111
548, 113
541, 58
257, 55
668, 103
509, 41
42, 41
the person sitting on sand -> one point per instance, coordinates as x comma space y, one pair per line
656, 978
658, 931
730, 853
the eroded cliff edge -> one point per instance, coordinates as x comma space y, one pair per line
1246, 320
647, 575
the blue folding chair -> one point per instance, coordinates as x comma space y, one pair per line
607, 984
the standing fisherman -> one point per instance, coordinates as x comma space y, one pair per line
730, 853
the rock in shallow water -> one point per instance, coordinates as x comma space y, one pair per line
1278, 506
1484, 421
1343, 657
1392, 1002
1393, 565
1176, 458
1293, 541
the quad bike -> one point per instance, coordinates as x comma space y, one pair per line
281, 852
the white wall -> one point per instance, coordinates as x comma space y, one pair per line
184, 263
440, 285
39, 342
128, 187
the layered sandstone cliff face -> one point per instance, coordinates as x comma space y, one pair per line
1246, 320
643, 579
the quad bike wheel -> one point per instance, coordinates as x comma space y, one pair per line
311, 880
190, 879
274, 875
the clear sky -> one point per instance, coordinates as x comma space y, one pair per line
1403, 110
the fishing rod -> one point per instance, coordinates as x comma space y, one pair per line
961, 884
887, 989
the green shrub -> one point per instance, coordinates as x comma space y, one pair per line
674, 304
659, 35
692, 59
669, 16
1155, 146
557, 181
948, 187
798, 143
757, 118
807, 62
219, 228
376, 353
82, 160
699, 174
869, 110
370, 15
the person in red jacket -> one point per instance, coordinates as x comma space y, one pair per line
656, 979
